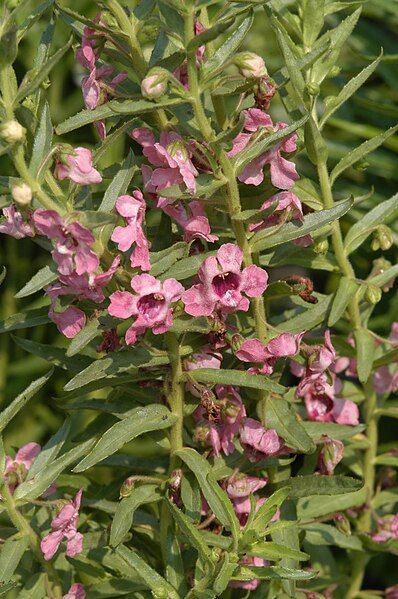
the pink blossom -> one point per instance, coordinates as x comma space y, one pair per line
323, 356
259, 442
331, 454
249, 585
170, 156
72, 252
240, 488
321, 404
219, 431
222, 284
132, 209
253, 350
387, 529
17, 468
78, 167
64, 525
76, 591
150, 304
391, 592
283, 172
191, 218
69, 322
14, 224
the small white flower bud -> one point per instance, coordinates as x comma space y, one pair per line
250, 65
12, 132
154, 85
21, 193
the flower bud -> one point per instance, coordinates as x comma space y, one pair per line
12, 132
342, 524
215, 554
321, 246
175, 479
384, 237
313, 88
21, 193
331, 454
154, 85
127, 487
160, 593
250, 65
373, 294
361, 165
334, 71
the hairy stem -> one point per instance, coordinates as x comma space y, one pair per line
175, 395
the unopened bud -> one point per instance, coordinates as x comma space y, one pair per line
250, 65
160, 593
361, 165
313, 88
21, 193
215, 554
127, 487
373, 294
342, 524
12, 132
385, 237
175, 479
321, 247
334, 71
154, 85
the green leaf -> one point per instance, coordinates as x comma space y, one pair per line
124, 514
268, 509
216, 498
163, 260
304, 321
55, 355
187, 527
42, 141
312, 507
313, 17
391, 412
261, 146
288, 232
212, 66
209, 34
112, 109
325, 534
142, 420
150, 577
273, 551
318, 484
119, 184
42, 278
365, 347
35, 77
185, 268
380, 214
361, 151
83, 338
237, 378
33, 488
19, 402
335, 431
280, 416
50, 450
272, 573
224, 574
11, 554
386, 459
345, 292
348, 90
25, 320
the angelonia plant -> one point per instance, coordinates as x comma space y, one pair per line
258, 394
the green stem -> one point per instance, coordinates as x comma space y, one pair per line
232, 195
175, 396
25, 529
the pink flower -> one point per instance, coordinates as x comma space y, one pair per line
249, 585
283, 172
391, 592
72, 252
321, 404
150, 304
76, 591
258, 442
69, 322
191, 218
64, 526
219, 422
222, 284
78, 167
17, 468
323, 356
14, 224
387, 529
240, 488
170, 156
253, 350
132, 209
331, 454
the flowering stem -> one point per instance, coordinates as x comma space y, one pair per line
232, 195
175, 396
26, 530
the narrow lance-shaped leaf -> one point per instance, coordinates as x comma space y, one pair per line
313, 18
361, 151
277, 235
42, 141
344, 294
274, 551
365, 347
42, 278
10, 556
305, 486
25, 320
124, 514
280, 416
19, 402
119, 183
190, 531
50, 450
234, 377
142, 420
